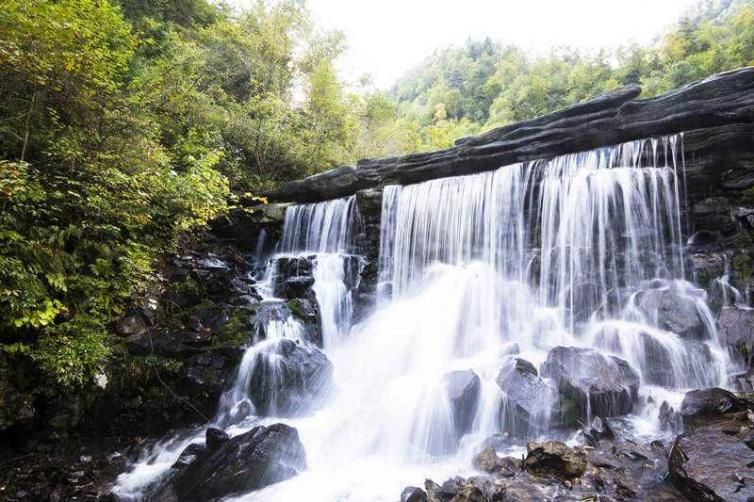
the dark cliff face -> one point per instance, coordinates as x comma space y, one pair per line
716, 114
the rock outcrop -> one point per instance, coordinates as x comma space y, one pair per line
288, 377
736, 326
702, 404
247, 462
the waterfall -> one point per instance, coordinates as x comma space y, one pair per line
481, 278
580, 228
325, 232
325, 227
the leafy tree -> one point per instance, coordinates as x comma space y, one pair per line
491, 85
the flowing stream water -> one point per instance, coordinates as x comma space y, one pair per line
583, 250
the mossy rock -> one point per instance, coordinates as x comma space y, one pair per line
743, 268
238, 330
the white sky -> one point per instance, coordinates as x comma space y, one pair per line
387, 37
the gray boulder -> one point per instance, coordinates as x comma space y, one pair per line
736, 327
702, 404
590, 382
528, 399
673, 311
288, 378
413, 494
462, 390
710, 465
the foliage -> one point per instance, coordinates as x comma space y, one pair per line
461, 90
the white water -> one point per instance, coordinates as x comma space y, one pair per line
473, 269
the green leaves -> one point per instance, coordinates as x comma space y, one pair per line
491, 85
94, 187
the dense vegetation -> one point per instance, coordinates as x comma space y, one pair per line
124, 123
464, 90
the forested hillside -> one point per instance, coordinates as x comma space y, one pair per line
126, 123
465, 90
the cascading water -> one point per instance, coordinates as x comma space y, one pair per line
490, 285
316, 237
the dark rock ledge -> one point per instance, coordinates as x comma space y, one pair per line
716, 113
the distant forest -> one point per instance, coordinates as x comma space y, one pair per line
465, 90
125, 124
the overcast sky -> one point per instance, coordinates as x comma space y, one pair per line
387, 37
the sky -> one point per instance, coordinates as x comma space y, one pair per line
385, 38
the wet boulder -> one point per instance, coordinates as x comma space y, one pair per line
708, 464
657, 368
528, 399
352, 268
553, 458
288, 377
462, 390
700, 405
293, 277
294, 266
295, 287
673, 311
736, 327
215, 438
247, 462
308, 314
302, 312
189, 455
590, 382
413, 494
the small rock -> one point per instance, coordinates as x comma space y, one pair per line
555, 459
413, 494
488, 461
